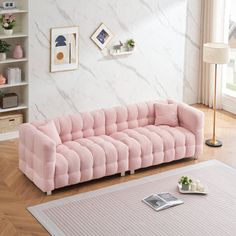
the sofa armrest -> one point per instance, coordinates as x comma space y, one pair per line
192, 119
37, 157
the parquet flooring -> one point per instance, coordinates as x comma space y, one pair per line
17, 192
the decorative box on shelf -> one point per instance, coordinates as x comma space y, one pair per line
10, 122
8, 100
9, 7
6, 5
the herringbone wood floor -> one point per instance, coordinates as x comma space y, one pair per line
17, 192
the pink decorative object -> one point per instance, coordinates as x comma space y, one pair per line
18, 52
2, 80
105, 142
166, 114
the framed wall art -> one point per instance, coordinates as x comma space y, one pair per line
102, 36
64, 49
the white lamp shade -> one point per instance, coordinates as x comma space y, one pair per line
215, 53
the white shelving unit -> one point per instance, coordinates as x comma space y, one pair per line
10, 135
18, 10
16, 35
12, 60
20, 107
13, 85
20, 36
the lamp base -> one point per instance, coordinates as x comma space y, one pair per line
211, 143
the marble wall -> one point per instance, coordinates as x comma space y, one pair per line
192, 51
163, 65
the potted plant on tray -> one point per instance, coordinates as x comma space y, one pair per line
185, 183
4, 48
8, 23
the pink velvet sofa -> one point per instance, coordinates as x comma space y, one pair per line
81, 147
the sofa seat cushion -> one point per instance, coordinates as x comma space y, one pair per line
89, 158
178, 142
152, 145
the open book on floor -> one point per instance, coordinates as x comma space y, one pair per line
162, 201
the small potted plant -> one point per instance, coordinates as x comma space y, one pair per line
185, 183
8, 23
130, 44
4, 48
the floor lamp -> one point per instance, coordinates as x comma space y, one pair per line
215, 53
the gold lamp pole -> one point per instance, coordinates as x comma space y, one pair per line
215, 53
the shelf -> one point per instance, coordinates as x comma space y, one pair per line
121, 53
9, 135
12, 60
20, 107
13, 85
15, 35
13, 11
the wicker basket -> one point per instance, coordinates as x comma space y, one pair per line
10, 122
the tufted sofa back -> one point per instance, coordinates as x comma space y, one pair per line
105, 121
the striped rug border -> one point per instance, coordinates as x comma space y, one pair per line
37, 210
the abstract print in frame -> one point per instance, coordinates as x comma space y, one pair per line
64, 48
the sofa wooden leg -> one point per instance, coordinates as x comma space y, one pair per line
196, 157
49, 193
132, 172
122, 174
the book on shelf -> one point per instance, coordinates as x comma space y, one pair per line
13, 75
161, 201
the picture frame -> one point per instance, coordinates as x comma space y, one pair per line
102, 36
64, 52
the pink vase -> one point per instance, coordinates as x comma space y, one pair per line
18, 52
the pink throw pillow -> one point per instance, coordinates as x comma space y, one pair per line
51, 131
166, 114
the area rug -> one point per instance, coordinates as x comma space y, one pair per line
118, 210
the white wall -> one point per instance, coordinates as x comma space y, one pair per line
158, 68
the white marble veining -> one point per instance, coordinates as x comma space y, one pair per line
157, 69
192, 51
